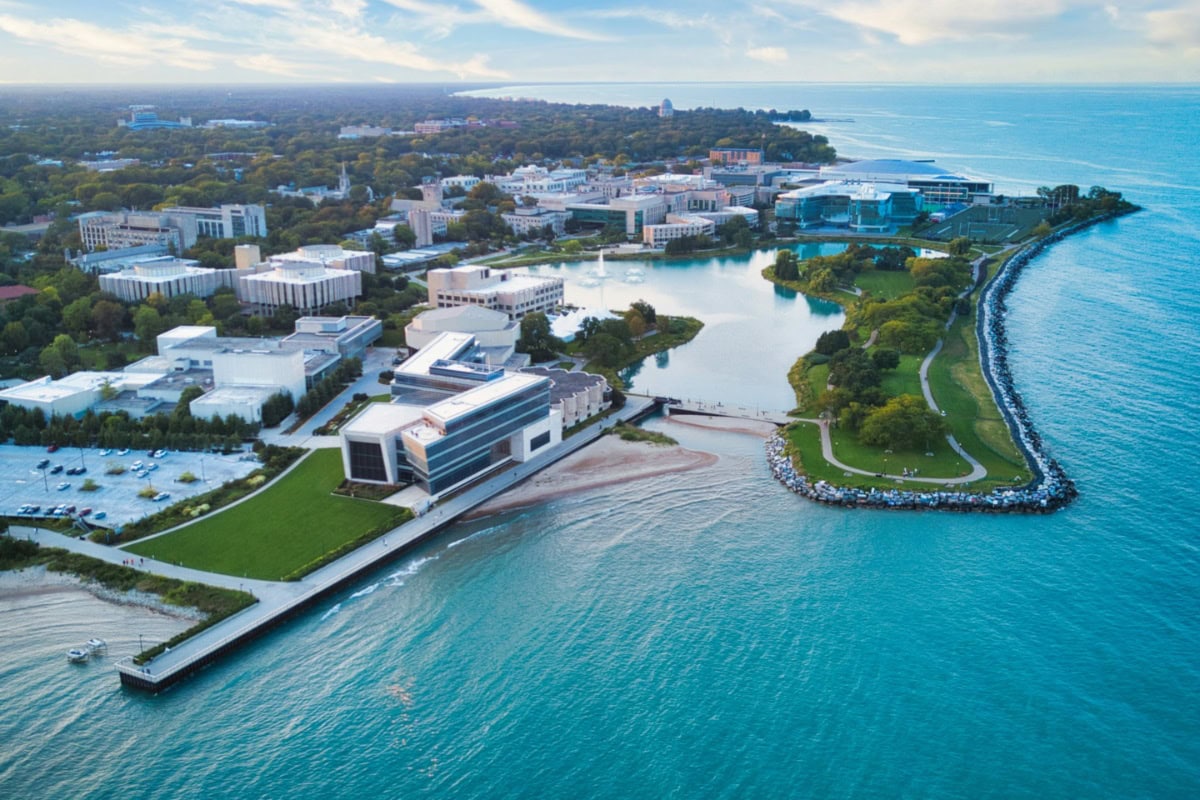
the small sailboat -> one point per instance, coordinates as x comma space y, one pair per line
77, 655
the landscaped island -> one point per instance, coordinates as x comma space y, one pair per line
864, 433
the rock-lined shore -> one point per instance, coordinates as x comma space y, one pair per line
1050, 488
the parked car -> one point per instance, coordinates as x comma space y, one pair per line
57, 469
158, 498
34, 509
70, 509
52, 448
158, 454
62, 487
105, 452
124, 451
83, 512
135, 466
100, 515
151, 467
45, 462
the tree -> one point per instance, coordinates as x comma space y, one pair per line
147, 325
405, 237
77, 316
647, 311
536, 338
14, 338
787, 266
830, 342
959, 246
886, 358
107, 319
903, 423
276, 408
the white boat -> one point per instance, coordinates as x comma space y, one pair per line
96, 645
77, 655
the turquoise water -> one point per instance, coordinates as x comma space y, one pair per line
709, 634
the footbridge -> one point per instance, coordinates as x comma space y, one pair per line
672, 405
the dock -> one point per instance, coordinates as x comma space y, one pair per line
277, 601
697, 407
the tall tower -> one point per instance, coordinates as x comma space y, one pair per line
431, 191
344, 183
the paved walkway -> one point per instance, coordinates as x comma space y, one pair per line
737, 412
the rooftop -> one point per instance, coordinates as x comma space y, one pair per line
383, 418
479, 397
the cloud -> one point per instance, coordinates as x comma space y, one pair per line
1175, 28
440, 20
264, 62
514, 14
125, 48
768, 55
918, 22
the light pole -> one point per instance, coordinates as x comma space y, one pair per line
141, 647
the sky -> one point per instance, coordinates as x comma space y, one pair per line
529, 41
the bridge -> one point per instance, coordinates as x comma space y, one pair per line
674, 405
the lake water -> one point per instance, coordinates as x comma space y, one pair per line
739, 309
711, 635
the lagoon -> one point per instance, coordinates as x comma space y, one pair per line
742, 313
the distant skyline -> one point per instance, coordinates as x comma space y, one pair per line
530, 41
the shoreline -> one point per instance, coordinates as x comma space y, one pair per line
28, 582
1049, 490
598, 465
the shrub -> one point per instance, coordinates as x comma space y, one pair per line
114, 469
89, 485
148, 493
187, 477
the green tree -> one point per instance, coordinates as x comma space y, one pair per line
830, 342
903, 423
14, 338
787, 266
77, 317
147, 325
959, 246
536, 338
107, 319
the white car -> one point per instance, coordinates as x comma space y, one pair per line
158, 498
62, 487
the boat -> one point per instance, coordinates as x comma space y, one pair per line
96, 645
77, 655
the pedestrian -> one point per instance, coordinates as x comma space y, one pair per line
143, 561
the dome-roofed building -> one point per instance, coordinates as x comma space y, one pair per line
665, 109
936, 184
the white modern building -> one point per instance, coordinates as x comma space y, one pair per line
513, 293
75, 393
535, 219
677, 226
478, 418
304, 283
331, 256
871, 207
178, 227
165, 275
576, 396
495, 334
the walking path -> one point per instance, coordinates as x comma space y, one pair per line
277, 600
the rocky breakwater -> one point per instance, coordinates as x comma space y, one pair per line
1050, 488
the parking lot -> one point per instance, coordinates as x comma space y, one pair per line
116, 501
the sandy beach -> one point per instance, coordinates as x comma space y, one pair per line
610, 461
33, 581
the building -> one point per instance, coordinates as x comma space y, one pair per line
348, 337
315, 194
143, 118
306, 284
165, 275
666, 109
172, 227
75, 393
515, 294
677, 226
464, 182
332, 256
362, 132
935, 184
479, 419
857, 206
123, 229
117, 260
495, 334
229, 221
735, 155
575, 395
534, 220
631, 213
16, 292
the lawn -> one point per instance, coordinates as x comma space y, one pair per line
286, 528
884, 285
960, 390
904, 379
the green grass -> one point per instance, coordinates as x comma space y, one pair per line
885, 285
290, 527
632, 433
960, 390
904, 379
